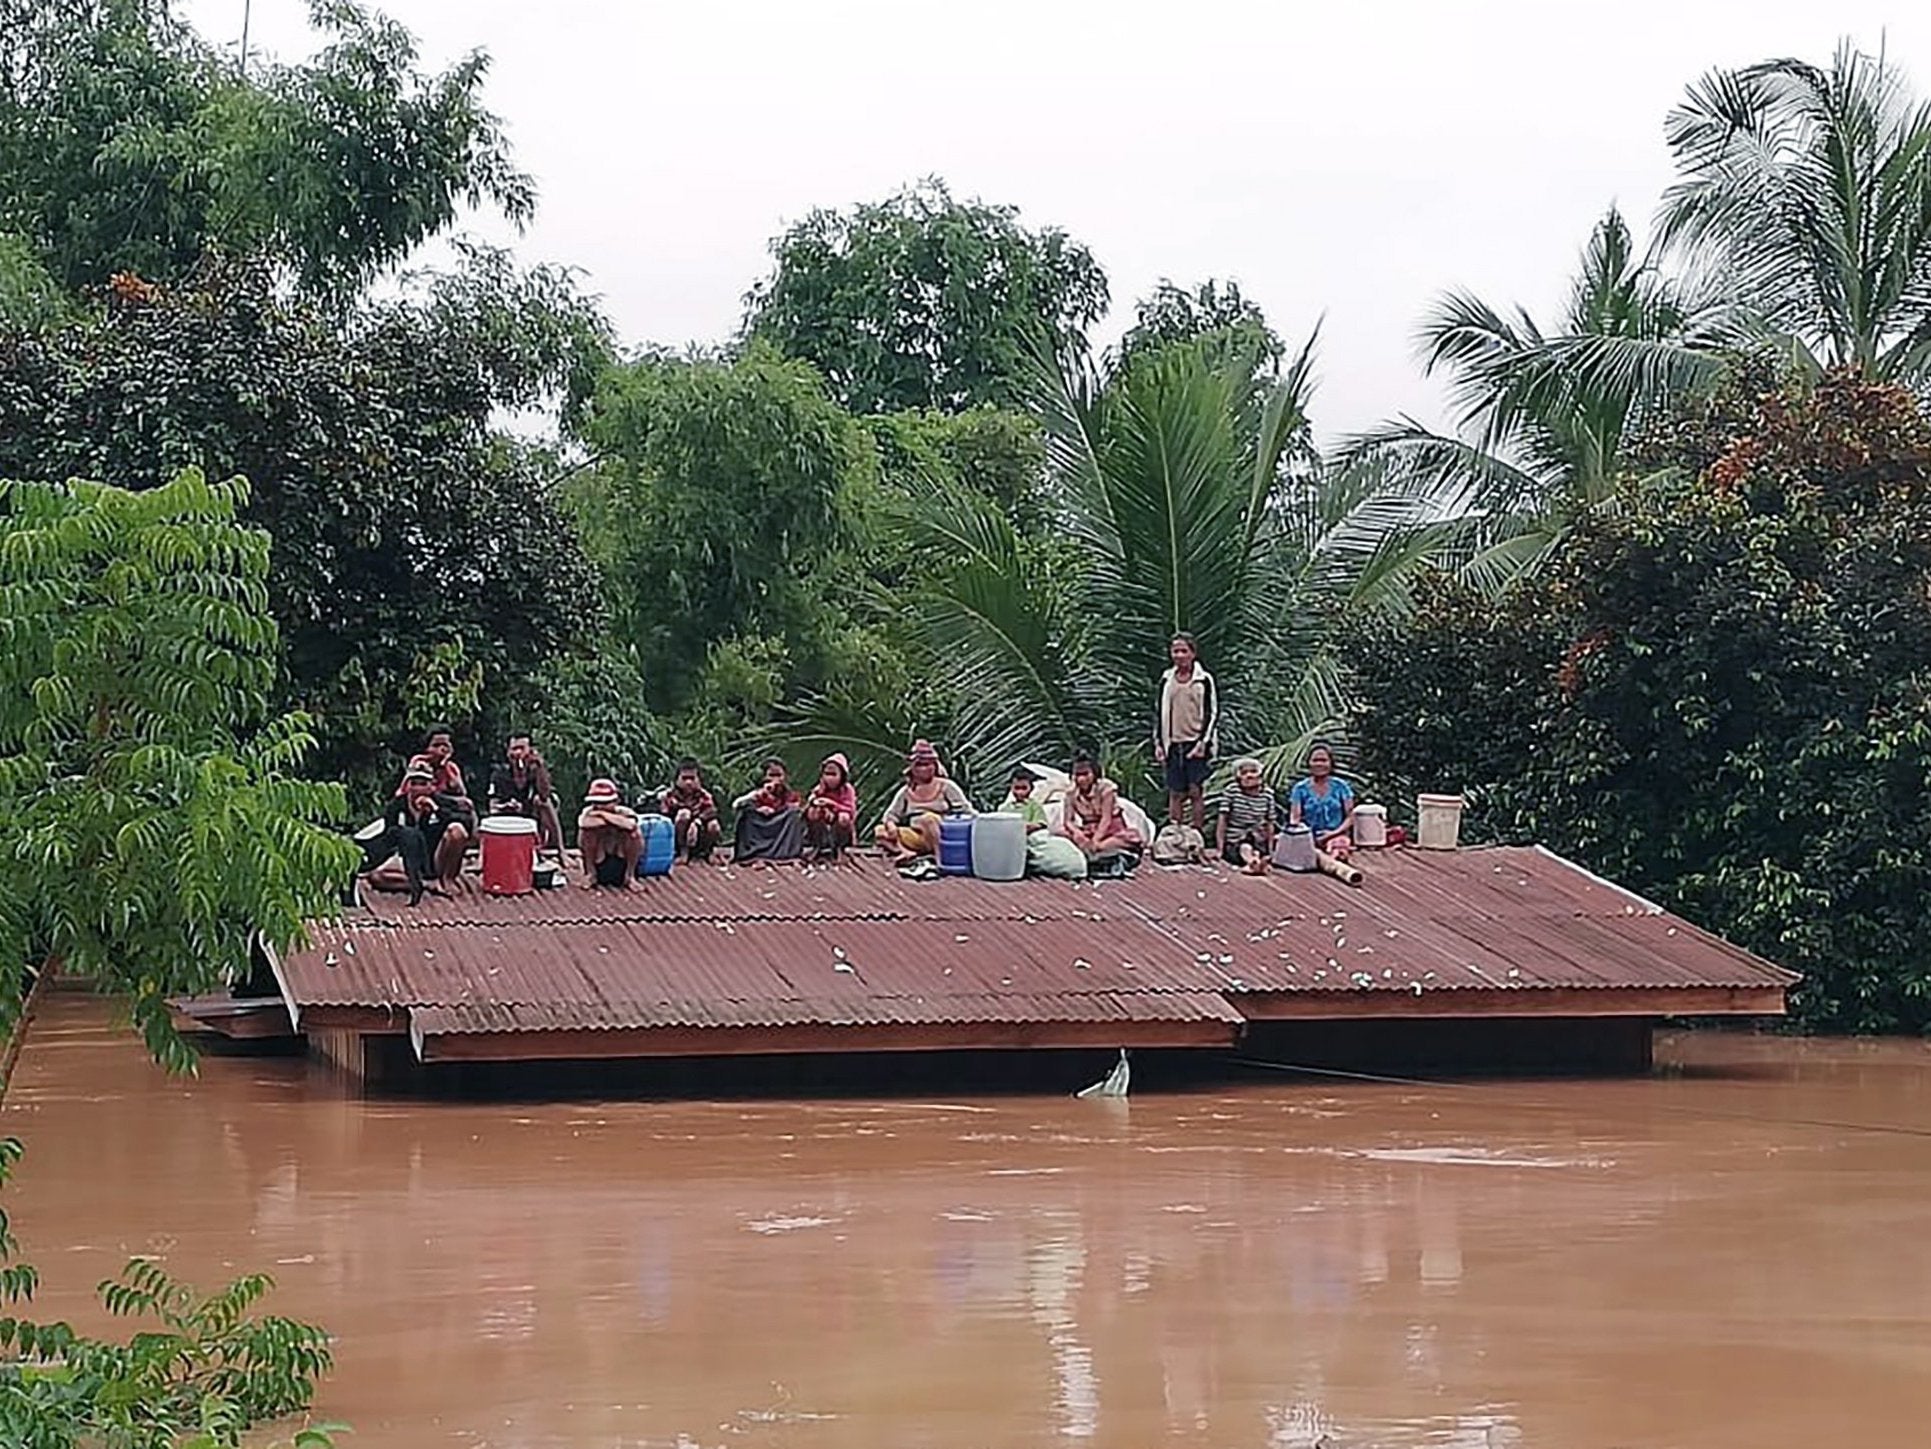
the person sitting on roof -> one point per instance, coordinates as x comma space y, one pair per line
520, 785
609, 837
911, 824
831, 814
693, 812
427, 829
1324, 803
770, 819
1245, 821
438, 756
1019, 800
1091, 816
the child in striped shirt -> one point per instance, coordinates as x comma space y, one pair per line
1244, 832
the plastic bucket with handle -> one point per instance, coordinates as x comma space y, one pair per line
509, 855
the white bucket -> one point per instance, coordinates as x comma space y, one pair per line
999, 846
1370, 826
1438, 821
1294, 849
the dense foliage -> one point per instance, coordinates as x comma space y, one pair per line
154, 821
128, 145
1718, 693
923, 301
420, 563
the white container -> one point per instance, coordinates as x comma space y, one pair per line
1371, 826
1438, 821
1294, 849
999, 846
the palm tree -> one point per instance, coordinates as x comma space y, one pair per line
1541, 416
1806, 193
1187, 497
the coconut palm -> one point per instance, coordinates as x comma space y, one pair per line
1186, 497
1806, 193
1540, 417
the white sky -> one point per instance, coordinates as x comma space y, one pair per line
1346, 161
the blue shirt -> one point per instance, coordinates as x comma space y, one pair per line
1323, 813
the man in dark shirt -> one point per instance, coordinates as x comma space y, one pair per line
520, 785
429, 830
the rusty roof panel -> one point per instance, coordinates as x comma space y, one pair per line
1102, 1006
854, 943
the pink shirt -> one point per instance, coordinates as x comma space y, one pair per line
844, 799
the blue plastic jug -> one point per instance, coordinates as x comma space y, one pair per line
955, 845
660, 844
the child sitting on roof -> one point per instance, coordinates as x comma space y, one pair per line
770, 819
693, 812
1019, 800
831, 814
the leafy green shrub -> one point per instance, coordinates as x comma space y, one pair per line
1719, 693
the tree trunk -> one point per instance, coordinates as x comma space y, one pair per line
17, 1038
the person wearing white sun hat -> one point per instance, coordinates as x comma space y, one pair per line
609, 837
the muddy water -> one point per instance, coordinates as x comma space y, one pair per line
1677, 1261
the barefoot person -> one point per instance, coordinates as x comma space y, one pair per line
1185, 733
609, 837
770, 819
1324, 803
520, 785
693, 812
438, 756
1244, 824
426, 829
1092, 818
831, 814
911, 824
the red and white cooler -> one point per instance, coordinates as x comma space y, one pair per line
509, 855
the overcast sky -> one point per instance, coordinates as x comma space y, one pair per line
1343, 162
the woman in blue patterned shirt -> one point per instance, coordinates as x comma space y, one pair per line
1324, 803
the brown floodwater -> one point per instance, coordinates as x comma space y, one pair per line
1713, 1257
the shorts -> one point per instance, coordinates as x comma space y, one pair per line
909, 836
1185, 772
611, 870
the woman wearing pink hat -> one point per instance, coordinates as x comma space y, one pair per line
831, 813
911, 824
609, 836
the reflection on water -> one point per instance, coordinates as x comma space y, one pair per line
1578, 1265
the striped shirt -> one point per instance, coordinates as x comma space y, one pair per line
1246, 814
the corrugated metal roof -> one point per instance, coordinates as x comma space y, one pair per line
1099, 1006
855, 944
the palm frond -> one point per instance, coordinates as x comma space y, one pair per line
991, 619
1808, 192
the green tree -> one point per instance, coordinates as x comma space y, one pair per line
30, 299
921, 301
1806, 191
993, 452
1718, 693
129, 145
723, 493
152, 822
1214, 310
1542, 417
412, 541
